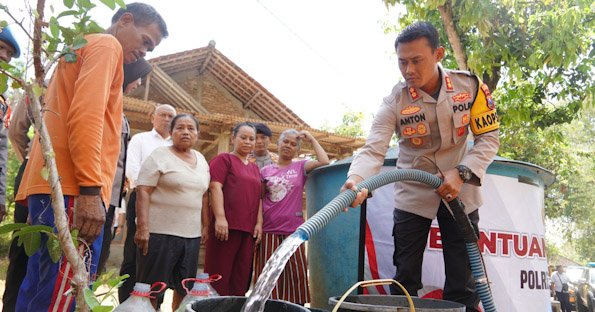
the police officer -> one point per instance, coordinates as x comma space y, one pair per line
432, 112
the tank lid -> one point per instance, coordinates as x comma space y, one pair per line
545, 175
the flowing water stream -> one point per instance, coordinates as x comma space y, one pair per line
271, 272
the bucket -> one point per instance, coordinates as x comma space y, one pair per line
381, 303
234, 304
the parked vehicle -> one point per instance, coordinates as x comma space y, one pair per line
583, 287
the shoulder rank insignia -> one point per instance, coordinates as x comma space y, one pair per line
449, 86
413, 93
484, 117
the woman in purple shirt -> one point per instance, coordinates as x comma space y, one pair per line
282, 213
236, 214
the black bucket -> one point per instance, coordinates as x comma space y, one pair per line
234, 304
379, 303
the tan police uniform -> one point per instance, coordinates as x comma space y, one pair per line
433, 134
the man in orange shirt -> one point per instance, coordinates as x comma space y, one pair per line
84, 119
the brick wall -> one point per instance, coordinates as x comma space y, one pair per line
218, 100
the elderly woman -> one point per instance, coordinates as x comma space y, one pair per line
236, 220
172, 187
282, 213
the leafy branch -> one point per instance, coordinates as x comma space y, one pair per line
44, 45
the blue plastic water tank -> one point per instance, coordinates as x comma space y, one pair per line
333, 252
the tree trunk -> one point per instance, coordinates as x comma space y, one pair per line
453, 35
80, 273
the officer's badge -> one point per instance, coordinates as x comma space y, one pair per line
461, 97
417, 141
410, 109
422, 129
488, 94
491, 103
484, 117
409, 131
465, 119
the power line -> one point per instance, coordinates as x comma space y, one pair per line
295, 34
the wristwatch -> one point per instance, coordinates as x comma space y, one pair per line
465, 173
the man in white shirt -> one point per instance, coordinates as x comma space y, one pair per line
560, 282
140, 147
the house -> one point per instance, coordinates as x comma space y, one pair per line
220, 94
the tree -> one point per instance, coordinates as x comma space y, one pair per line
351, 124
541, 51
538, 58
52, 40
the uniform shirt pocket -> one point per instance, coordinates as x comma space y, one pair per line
461, 117
416, 135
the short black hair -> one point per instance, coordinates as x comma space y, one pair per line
178, 116
237, 127
419, 30
263, 129
144, 15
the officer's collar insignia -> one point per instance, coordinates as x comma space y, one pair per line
413, 93
410, 109
449, 86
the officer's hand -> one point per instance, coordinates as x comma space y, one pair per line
89, 216
451, 185
350, 184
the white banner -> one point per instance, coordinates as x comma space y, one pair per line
512, 244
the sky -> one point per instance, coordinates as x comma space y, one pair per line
320, 58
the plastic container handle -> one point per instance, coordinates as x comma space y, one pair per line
212, 278
375, 283
161, 287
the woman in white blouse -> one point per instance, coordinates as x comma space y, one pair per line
172, 187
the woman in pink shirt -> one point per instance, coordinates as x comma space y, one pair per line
282, 213
236, 214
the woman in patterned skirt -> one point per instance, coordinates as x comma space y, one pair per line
282, 213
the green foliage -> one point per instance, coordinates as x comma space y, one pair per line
110, 280
548, 44
12, 167
351, 125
